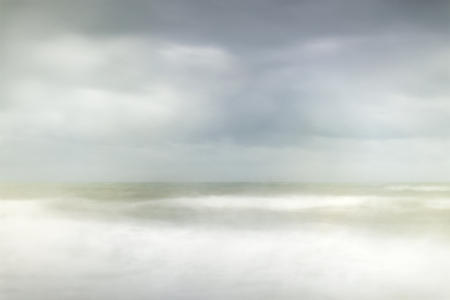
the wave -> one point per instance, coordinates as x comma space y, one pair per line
419, 188
47, 254
280, 203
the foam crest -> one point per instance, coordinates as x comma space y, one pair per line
278, 203
420, 188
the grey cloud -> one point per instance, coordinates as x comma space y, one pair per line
233, 23
161, 89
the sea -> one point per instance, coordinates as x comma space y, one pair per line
207, 241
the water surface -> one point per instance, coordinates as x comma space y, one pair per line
224, 241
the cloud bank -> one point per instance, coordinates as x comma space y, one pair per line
225, 90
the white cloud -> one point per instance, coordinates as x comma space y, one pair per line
76, 88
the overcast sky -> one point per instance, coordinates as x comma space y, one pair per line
205, 90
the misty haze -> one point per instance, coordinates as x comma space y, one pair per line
235, 149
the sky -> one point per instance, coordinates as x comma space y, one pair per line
236, 90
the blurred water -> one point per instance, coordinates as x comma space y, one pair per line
224, 241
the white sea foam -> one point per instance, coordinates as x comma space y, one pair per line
47, 254
278, 203
439, 203
419, 188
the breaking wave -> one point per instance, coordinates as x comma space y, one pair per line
328, 243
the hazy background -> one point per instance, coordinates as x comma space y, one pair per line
225, 90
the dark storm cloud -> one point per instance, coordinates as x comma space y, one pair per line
251, 23
319, 84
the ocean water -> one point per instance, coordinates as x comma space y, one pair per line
224, 241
